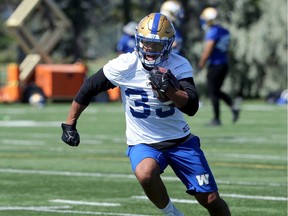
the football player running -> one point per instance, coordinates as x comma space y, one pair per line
215, 54
157, 134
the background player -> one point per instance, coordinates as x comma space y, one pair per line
215, 52
126, 42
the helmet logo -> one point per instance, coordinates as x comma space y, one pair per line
155, 23
154, 38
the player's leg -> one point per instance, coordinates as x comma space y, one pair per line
214, 90
235, 108
148, 175
147, 164
215, 205
189, 164
222, 71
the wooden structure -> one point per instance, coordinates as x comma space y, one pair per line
37, 50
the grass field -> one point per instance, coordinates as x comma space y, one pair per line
40, 175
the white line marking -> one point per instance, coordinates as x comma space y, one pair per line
64, 173
58, 210
270, 184
255, 197
184, 201
254, 156
105, 175
22, 142
74, 202
241, 196
29, 123
32, 208
263, 107
172, 199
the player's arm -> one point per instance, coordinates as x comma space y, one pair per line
94, 85
182, 92
208, 48
185, 98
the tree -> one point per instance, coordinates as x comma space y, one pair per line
258, 47
258, 28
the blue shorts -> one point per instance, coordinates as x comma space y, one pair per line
186, 159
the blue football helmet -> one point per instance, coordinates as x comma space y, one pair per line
154, 36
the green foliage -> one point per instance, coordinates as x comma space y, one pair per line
260, 47
258, 27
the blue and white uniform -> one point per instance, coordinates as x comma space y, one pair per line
221, 36
148, 120
154, 129
126, 44
218, 68
179, 42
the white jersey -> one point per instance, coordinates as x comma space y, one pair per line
147, 119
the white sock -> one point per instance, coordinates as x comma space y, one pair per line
170, 209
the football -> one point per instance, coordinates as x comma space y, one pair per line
161, 96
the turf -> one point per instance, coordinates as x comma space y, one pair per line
40, 175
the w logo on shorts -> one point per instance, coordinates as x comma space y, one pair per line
203, 179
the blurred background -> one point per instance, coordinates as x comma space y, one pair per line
88, 31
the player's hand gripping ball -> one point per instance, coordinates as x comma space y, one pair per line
160, 80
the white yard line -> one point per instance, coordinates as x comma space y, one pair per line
59, 210
65, 173
67, 209
129, 176
172, 199
32, 208
75, 202
22, 142
29, 123
264, 107
240, 196
248, 156
257, 157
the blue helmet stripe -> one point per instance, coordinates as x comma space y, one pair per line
155, 23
